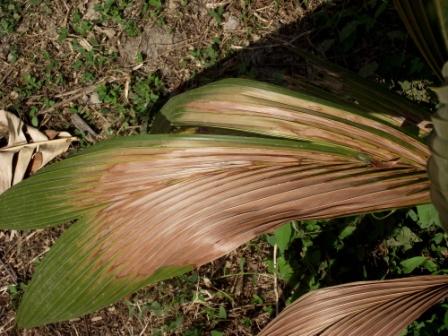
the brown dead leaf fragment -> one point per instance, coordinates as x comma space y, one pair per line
369, 308
27, 149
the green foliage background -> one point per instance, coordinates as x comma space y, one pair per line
383, 245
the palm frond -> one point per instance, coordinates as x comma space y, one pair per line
261, 108
371, 308
151, 207
329, 81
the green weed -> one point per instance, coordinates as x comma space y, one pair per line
217, 14
79, 25
145, 92
315, 254
209, 55
114, 11
9, 16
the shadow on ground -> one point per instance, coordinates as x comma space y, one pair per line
368, 39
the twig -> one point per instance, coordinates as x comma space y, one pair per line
144, 329
3, 329
246, 273
78, 93
280, 42
251, 306
80, 124
64, 102
10, 271
6, 75
275, 279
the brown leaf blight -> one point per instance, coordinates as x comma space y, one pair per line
266, 109
147, 203
369, 308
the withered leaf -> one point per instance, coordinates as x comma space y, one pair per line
27, 149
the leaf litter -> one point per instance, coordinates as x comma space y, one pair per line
27, 149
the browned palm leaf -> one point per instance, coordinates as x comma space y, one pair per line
262, 108
332, 82
151, 207
371, 308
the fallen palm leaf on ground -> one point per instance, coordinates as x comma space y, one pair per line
27, 149
371, 308
151, 207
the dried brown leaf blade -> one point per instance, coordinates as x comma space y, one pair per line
332, 82
262, 108
17, 158
371, 308
151, 207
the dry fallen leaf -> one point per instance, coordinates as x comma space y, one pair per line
27, 149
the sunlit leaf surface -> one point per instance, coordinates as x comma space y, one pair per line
370, 308
150, 207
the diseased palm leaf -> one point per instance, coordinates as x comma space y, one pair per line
333, 83
371, 308
151, 207
261, 108
147, 208
427, 23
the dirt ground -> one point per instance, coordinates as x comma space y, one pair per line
103, 68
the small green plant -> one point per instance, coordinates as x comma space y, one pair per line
155, 10
131, 28
33, 115
9, 16
114, 11
209, 55
155, 4
145, 92
16, 292
90, 60
217, 14
62, 34
79, 25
